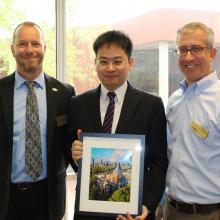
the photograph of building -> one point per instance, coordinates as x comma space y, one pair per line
110, 174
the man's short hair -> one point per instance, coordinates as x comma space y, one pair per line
114, 37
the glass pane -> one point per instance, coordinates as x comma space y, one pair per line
175, 76
13, 12
85, 21
147, 22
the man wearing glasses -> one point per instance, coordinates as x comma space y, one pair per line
135, 112
193, 116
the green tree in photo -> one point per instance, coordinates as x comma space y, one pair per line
93, 189
121, 195
102, 169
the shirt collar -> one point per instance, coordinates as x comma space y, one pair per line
202, 84
19, 80
206, 82
183, 85
120, 92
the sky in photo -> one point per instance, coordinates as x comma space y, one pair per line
111, 155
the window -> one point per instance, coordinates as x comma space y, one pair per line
14, 12
150, 24
85, 21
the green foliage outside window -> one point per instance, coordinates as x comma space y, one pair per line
79, 40
9, 19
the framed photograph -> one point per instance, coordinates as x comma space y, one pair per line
110, 174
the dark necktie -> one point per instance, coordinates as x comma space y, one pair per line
33, 151
107, 124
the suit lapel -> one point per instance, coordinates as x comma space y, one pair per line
128, 110
7, 101
93, 106
52, 91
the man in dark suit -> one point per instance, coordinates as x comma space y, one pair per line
40, 196
135, 112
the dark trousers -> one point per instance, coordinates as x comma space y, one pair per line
170, 213
28, 203
151, 216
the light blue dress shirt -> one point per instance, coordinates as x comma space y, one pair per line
18, 157
194, 163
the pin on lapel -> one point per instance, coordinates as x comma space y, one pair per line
54, 89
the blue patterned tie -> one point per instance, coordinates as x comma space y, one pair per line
33, 151
107, 124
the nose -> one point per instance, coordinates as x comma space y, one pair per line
29, 47
189, 55
110, 66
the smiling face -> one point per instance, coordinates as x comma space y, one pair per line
28, 50
195, 67
114, 74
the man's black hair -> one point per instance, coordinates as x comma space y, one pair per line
114, 37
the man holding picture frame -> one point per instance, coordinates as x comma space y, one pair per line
118, 108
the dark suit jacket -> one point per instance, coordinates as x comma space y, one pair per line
142, 113
58, 104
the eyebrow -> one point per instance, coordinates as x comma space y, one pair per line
194, 45
102, 57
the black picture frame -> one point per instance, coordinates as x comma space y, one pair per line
110, 163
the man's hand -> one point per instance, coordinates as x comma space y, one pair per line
77, 148
159, 213
129, 217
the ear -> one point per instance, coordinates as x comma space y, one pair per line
131, 63
12, 49
213, 53
95, 64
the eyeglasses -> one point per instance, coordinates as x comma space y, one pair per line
196, 50
116, 61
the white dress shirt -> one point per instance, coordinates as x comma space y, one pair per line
119, 99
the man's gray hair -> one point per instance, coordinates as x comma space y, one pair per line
193, 26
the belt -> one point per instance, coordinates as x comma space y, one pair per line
28, 185
193, 208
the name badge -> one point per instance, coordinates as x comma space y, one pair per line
61, 120
198, 130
